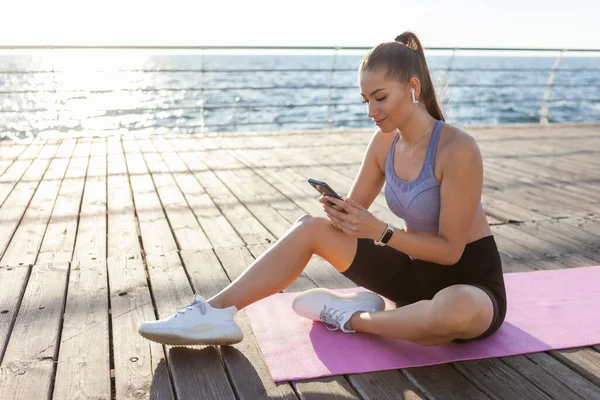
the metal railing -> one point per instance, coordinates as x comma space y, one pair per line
200, 92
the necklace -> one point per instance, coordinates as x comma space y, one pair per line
417, 141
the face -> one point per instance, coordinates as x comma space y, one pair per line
389, 102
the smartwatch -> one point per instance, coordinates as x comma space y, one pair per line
387, 235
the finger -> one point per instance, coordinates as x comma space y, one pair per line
338, 223
341, 204
340, 214
353, 203
345, 226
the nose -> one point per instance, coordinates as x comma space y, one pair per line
372, 110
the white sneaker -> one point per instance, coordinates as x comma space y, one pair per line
196, 324
335, 309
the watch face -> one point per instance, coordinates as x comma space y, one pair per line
387, 236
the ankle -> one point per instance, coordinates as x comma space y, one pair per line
354, 321
215, 303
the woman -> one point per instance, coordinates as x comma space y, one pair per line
443, 271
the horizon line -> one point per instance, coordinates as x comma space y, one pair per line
257, 47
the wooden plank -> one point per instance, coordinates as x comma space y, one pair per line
123, 235
383, 385
14, 173
28, 364
59, 240
527, 176
218, 230
442, 382
238, 215
563, 174
547, 199
500, 381
266, 203
544, 247
585, 361
27, 240
558, 380
140, 365
292, 183
84, 371
17, 202
273, 209
152, 221
572, 239
10, 151
187, 231
196, 373
13, 281
524, 255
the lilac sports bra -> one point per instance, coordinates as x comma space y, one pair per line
416, 202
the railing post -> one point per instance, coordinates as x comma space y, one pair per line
56, 101
202, 121
447, 76
331, 77
545, 107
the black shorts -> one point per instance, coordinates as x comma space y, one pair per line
405, 280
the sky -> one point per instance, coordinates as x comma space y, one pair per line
438, 23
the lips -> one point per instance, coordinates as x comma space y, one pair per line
378, 122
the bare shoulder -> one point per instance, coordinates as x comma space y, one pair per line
456, 142
380, 145
457, 145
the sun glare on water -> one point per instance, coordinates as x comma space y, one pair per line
86, 88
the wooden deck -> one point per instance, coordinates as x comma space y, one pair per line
97, 235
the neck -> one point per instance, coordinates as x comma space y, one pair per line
414, 126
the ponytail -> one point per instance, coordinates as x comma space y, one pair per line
404, 58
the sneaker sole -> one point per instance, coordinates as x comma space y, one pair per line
368, 300
225, 335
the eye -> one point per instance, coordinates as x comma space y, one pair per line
364, 101
381, 99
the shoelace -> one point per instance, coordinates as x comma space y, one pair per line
198, 302
332, 318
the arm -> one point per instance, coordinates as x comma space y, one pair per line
370, 178
460, 193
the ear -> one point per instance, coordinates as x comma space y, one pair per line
415, 83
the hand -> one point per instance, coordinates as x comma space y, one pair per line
355, 221
324, 202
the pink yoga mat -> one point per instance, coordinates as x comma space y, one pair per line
547, 310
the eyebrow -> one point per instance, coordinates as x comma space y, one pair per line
375, 91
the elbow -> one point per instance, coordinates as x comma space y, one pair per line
450, 261
453, 257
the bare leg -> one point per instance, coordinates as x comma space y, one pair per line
459, 311
279, 266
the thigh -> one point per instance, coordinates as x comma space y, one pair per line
385, 271
327, 242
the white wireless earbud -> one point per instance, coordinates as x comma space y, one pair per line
412, 91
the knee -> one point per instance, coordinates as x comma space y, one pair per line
453, 315
309, 222
309, 228
303, 219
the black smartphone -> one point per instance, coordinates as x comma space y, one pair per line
324, 188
